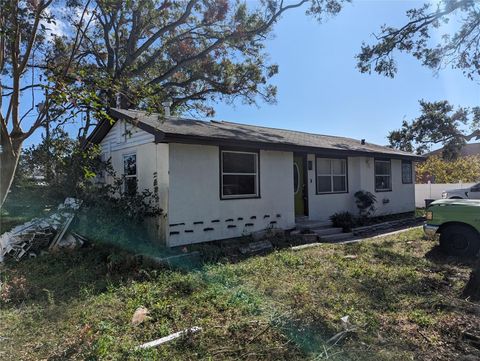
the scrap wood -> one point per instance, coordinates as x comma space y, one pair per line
168, 338
37, 234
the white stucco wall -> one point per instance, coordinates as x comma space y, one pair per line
189, 189
361, 177
194, 196
152, 160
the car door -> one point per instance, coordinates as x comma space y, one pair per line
474, 192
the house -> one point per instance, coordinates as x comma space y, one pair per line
218, 179
467, 150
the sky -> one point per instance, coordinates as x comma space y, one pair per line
321, 91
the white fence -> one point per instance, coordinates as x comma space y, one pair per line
434, 191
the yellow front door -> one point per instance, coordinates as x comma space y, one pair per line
299, 185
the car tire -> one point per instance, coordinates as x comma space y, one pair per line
460, 240
456, 197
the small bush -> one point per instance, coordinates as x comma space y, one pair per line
365, 202
343, 220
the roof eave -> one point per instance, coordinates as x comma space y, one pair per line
193, 139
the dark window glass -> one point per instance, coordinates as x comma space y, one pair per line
239, 174
331, 175
339, 184
383, 179
130, 174
382, 167
382, 182
239, 162
239, 185
407, 172
324, 184
130, 164
130, 185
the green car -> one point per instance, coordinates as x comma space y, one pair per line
457, 221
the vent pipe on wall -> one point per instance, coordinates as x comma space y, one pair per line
166, 108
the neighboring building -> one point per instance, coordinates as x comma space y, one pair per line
465, 151
219, 180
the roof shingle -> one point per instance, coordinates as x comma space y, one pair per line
224, 130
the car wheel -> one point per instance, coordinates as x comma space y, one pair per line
460, 240
456, 197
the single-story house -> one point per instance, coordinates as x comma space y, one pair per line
218, 180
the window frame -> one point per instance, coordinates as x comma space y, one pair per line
411, 171
384, 160
125, 176
317, 156
256, 152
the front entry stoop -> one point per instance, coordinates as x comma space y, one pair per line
319, 231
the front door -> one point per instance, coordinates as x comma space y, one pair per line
299, 188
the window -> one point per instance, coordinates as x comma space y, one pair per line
239, 174
383, 175
101, 176
296, 178
407, 177
331, 175
130, 174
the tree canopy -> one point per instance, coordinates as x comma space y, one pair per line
438, 124
81, 57
458, 48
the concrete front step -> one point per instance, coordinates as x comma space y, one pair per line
313, 225
338, 237
327, 231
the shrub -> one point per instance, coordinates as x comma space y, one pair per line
466, 169
343, 220
365, 202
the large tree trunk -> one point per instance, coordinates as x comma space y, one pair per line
9, 156
472, 289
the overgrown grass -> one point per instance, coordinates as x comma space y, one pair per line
400, 295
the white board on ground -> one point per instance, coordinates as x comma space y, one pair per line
168, 338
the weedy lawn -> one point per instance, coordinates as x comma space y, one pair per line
401, 295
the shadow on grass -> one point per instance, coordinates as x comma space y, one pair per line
438, 256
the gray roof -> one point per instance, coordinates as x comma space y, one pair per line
466, 150
175, 127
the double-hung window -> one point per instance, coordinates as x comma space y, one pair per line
331, 175
239, 174
383, 175
407, 172
130, 174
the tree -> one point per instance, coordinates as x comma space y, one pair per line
137, 53
141, 53
460, 50
438, 124
25, 45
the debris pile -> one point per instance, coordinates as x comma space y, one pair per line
31, 238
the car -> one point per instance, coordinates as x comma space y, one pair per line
463, 193
457, 223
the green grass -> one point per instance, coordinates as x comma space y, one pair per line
402, 297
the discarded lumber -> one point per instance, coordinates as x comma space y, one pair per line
31, 237
169, 338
